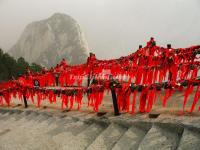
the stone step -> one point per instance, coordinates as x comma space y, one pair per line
64, 135
23, 115
77, 130
30, 133
8, 117
161, 137
190, 140
26, 138
132, 137
18, 118
3, 111
40, 118
107, 139
86, 137
74, 128
51, 122
4, 117
29, 120
45, 124
79, 115
30, 117
24, 120
61, 120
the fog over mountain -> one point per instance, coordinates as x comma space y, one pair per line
112, 27
48, 41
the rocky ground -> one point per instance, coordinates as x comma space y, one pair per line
51, 128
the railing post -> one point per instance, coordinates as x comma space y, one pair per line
169, 46
114, 97
90, 74
25, 101
57, 77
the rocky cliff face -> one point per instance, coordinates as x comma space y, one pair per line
46, 42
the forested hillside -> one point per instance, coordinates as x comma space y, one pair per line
11, 68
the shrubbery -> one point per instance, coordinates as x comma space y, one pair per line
11, 68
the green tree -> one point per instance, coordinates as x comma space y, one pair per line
22, 66
10, 68
35, 67
10, 64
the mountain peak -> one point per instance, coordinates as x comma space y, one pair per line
59, 15
48, 41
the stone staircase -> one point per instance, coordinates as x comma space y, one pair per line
22, 129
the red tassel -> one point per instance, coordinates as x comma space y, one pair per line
27, 94
134, 101
150, 76
32, 96
161, 75
174, 70
168, 93
188, 91
126, 102
139, 76
14, 94
96, 102
39, 98
71, 102
7, 97
50, 97
196, 98
54, 98
194, 73
119, 93
61, 80
20, 95
151, 98
64, 99
143, 98
80, 80
1, 100
155, 75
145, 76
79, 99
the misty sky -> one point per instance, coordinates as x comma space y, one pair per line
112, 27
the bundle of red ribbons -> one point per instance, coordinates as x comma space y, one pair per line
145, 69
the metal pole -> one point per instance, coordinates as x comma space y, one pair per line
169, 46
25, 101
56, 75
114, 97
115, 105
